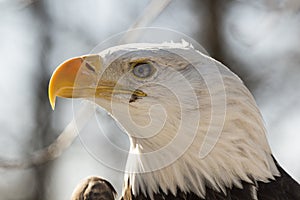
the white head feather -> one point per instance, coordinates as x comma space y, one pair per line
194, 105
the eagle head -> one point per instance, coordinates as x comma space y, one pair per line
192, 123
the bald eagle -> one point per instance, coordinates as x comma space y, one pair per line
195, 130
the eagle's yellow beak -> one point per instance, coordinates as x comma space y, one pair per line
76, 78
63, 78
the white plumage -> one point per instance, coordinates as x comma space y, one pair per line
190, 89
194, 128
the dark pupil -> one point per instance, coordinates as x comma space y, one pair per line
142, 70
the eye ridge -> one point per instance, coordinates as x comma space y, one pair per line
142, 70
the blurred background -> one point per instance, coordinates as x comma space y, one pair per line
259, 40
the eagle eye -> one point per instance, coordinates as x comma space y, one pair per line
142, 70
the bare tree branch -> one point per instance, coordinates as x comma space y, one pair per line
55, 149
149, 14
69, 134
